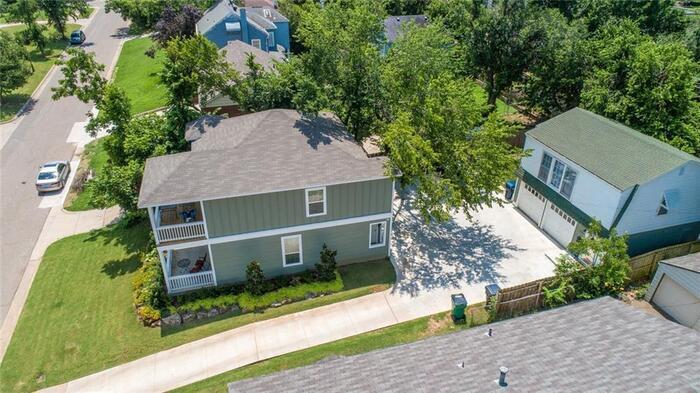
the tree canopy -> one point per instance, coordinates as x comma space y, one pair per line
15, 68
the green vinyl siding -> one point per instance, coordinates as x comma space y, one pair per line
642, 242
287, 208
351, 241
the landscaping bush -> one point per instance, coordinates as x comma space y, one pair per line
149, 293
255, 279
251, 302
326, 267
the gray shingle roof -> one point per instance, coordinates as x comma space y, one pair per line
214, 15
394, 24
689, 262
610, 150
601, 345
237, 55
257, 153
275, 16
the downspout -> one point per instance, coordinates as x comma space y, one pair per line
624, 208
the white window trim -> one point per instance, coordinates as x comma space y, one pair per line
252, 43
551, 172
271, 39
306, 199
284, 252
383, 243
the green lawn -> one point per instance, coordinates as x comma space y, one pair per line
94, 158
402, 333
78, 318
42, 64
137, 74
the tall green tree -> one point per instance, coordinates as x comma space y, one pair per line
554, 78
650, 86
655, 17
27, 13
498, 42
15, 68
342, 57
58, 11
144, 14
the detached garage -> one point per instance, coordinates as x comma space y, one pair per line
675, 289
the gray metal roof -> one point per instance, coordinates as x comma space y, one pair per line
600, 345
610, 150
394, 24
688, 262
257, 153
237, 55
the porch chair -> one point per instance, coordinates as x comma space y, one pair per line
199, 265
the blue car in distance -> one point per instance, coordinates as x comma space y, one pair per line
77, 37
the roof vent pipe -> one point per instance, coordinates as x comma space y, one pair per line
502, 378
490, 332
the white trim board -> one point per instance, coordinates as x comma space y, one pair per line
277, 232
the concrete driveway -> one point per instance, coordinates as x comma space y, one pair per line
499, 245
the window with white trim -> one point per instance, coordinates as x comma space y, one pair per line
545, 166
256, 43
292, 254
271, 39
377, 234
315, 201
663, 206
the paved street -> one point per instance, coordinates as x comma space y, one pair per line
41, 135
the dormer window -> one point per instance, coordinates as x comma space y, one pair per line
315, 201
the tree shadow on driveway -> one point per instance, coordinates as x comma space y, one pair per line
447, 255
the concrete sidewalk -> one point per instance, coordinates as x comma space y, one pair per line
235, 348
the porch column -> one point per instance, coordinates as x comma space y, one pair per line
166, 266
154, 225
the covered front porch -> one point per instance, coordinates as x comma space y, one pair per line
173, 223
188, 268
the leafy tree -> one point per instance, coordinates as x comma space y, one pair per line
58, 11
326, 267
255, 279
193, 67
606, 274
174, 23
555, 75
692, 39
650, 86
655, 17
27, 13
405, 7
82, 76
453, 156
498, 43
14, 67
144, 14
342, 58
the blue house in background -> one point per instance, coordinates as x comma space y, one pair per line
262, 27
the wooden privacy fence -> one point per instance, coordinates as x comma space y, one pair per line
643, 266
521, 298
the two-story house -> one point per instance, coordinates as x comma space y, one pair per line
584, 166
270, 186
261, 27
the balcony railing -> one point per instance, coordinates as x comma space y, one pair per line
190, 230
191, 281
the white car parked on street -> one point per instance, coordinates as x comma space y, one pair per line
52, 176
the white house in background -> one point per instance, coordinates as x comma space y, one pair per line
584, 166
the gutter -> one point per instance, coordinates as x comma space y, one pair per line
624, 207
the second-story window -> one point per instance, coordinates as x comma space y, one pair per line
315, 202
271, 39
545, 166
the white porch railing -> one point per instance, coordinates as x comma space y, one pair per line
191, 281
168, 233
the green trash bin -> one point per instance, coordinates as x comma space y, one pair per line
459, 307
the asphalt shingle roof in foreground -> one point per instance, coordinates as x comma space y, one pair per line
610, 150
261, 152
600, 345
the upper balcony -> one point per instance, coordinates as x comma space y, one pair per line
174, 223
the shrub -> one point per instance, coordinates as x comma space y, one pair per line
250, 302
255, 279
149, 293
326, 267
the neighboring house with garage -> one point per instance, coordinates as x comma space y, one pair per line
236, 53
675, 289
262, 27
583, 166
270, 186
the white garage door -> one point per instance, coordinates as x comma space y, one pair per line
677, 302
559, 225
530, 202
